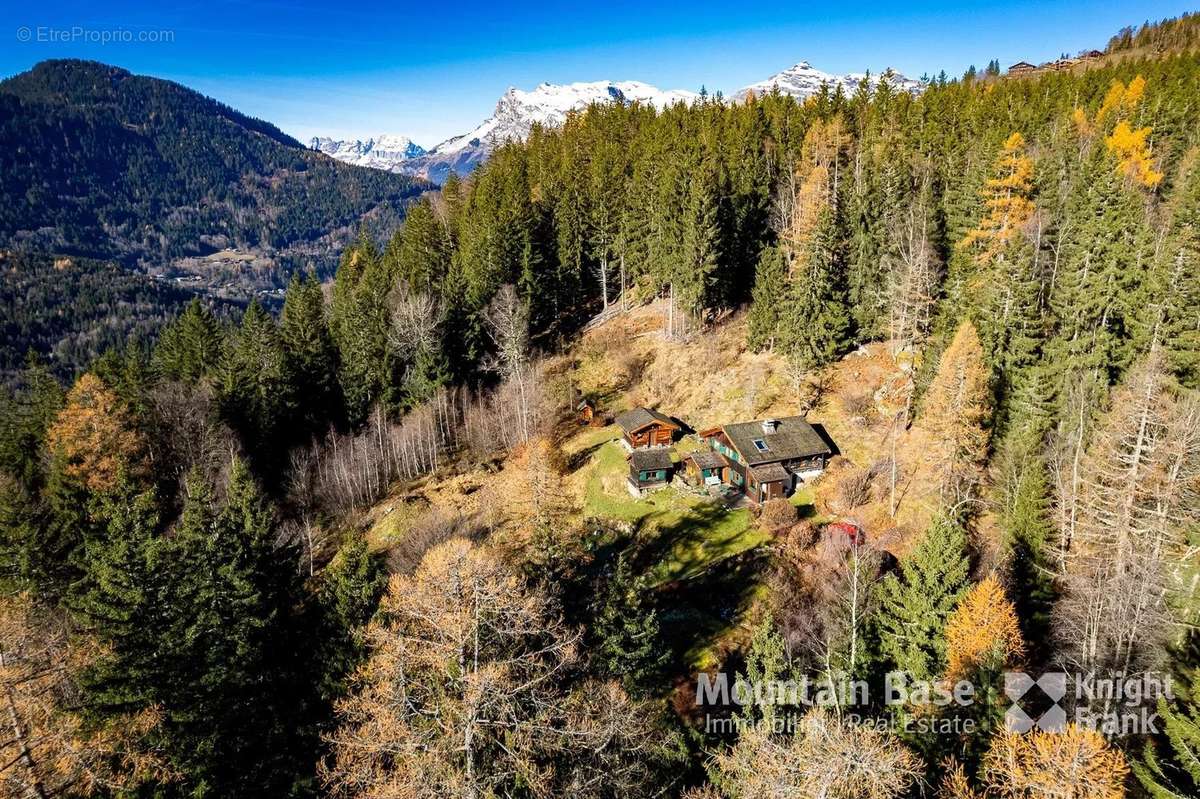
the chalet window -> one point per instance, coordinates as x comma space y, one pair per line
760, 445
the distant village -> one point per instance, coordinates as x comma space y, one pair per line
1064, 63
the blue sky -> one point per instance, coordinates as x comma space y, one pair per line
434, 70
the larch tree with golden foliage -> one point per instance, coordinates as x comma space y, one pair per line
467, 694
956, 413
1007, 203
1076, 763
93, 438
47, 750
983, 632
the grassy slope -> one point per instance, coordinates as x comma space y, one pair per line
705, 562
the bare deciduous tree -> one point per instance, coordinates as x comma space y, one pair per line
1136, 498
465, 695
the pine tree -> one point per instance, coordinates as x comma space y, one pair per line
816, 319
770, 290
420, 253
1169, 766
1177, 280
256, 395
918, 599
1028, 531
121, 599
627, 630
232, 705
350, 590
190, 347
310, 356
359, 322
1100, 296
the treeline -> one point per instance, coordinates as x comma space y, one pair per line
1169, 35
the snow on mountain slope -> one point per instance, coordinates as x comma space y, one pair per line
803, 80
381, 152
548, 104
518, 111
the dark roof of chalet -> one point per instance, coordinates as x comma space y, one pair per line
769, 473
1023, 65
793, 438
633, 420
650, 459
707, 459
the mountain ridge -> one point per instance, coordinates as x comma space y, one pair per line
98, 162
548, 104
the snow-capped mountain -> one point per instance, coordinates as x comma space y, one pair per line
803, 80
381, 152
517, 112
548, 104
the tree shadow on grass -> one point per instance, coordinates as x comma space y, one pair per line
711, 579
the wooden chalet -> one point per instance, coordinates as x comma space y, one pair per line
705, 467
650, 469
1022, 68
769, 457
642, 427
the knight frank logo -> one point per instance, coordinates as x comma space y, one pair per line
1115, 705
1018, 687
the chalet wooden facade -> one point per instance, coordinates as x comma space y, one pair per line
767, 458
650, 469
642, 428
705, 467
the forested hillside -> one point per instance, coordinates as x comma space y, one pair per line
367, 550
71, 310
97, 162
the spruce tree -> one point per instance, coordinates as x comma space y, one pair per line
816, 318
310, 356
1169, 766
627, 631
1177, 283
256, 395
190, 347
917, 600
769, 297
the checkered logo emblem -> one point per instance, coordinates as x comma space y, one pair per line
1017, 686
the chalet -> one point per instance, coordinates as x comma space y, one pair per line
705, 467
649, 469
766, 459
642, 427
1022, 68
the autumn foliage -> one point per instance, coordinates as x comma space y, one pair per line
1130, 145
93, 436
1007, 198
984, 630
1076, 763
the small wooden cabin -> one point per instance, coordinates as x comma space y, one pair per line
650, 469
704, 467
586, 410
642, 427
1022, 68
